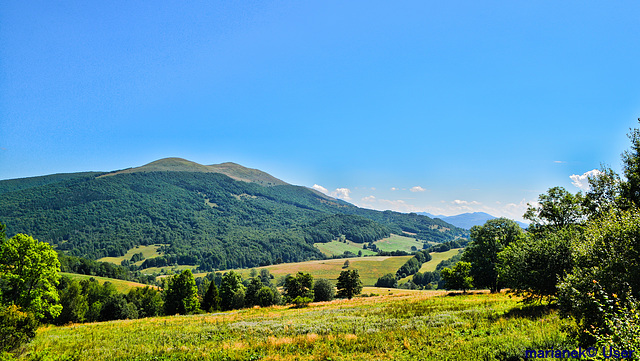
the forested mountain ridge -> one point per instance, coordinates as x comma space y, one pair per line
202, 218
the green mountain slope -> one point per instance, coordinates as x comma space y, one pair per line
203, 218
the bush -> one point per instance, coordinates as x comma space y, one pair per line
387, 281
323, 290
16, 327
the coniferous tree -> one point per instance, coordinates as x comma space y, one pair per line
211, 301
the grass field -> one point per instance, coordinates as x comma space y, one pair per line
398, 243
147, 252
418, 325
337, 248
369, 268
121, 285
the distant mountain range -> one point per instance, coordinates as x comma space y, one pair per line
215, 216
468, 220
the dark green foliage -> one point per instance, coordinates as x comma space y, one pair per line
231, 286
533, 265
458, 278
413, 265
206, 219
424, 279
16, 327
181, 294
349, 284
211, 300
388, 281
116, 307
323, 290
266, 297
557, 209
300, 285
251, 294
147, 300
607, 260
73, 301
487, 241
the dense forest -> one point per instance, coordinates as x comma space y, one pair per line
202, 218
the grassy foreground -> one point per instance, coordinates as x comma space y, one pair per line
419, 325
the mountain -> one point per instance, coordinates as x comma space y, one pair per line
468, 220
232, 170
217, 216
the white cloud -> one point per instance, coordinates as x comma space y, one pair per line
417, 189
466, 203
320, 189
582, 181
559, 161
342, 193
394, 188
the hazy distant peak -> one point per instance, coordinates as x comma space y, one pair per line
230, 169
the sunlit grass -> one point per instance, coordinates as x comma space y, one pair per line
414, 325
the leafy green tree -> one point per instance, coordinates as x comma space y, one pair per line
487, 241
254, 285
388, 281
557, 209
147, 300
458, 278
266, 297
533, 265
29, 275
631, 167
349, 284
73, 301
323, 290
181, 294
211, 300
230, 285
299, 285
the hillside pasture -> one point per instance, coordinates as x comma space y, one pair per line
417, 325
336, 248
398, 243
147, 252
121, 285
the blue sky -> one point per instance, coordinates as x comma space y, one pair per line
445, 107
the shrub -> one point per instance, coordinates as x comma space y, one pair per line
16, 327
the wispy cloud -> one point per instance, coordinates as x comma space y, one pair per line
340, 193
582, 181
559, 161
417, 189
320, 189
394, 188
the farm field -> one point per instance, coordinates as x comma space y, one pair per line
398, 243
337, 248
407, 325
121, 285
147, 252
369, 268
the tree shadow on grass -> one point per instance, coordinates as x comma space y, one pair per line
532, 312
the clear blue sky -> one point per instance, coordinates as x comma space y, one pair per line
475, 106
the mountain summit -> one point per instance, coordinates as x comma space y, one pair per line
231, 170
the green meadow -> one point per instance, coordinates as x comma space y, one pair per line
337, 248
403, 325
120, 285
147, 252
398, 243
